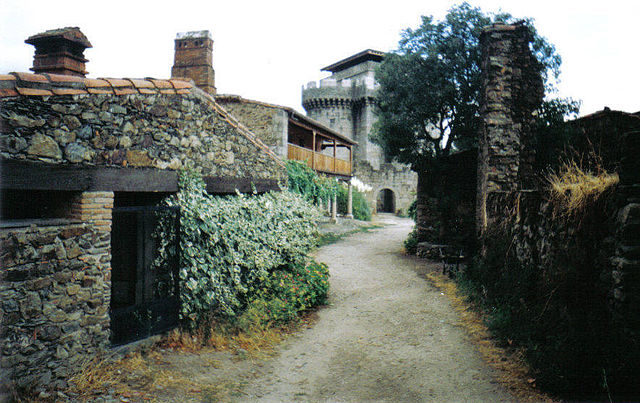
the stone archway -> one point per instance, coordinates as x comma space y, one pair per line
386, 201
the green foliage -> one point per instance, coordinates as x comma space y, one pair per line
411, 243
229, 245
359, 204
306, 182
430, 87
412, 210
286, 293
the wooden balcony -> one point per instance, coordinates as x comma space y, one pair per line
319, 162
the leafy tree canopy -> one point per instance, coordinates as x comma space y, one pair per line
430, 86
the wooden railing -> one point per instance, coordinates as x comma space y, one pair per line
319, 162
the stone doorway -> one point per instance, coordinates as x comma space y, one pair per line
386, 202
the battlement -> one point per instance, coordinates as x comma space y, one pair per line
330, 82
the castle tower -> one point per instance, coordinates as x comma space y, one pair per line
345, 102
194, 59
60, 51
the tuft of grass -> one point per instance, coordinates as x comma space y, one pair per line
574, 189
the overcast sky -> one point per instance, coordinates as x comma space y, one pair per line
266, 50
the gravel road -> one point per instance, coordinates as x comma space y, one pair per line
387, 335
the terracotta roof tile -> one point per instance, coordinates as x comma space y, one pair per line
100, 90
183, 91
118, 82
7, 77
147, 91
161, 83
138, 83
33, 91
95, 83
168, 91
124, 91
8, 92
68, 91
180, 84
60, 78
32, 78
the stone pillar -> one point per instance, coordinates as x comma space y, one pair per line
350, 201
329, 205
334, 208
512, 91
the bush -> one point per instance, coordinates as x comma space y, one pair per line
287, 292
412, 210
411, 243
229, 245
360, 206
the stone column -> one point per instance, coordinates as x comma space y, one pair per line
329, 205
512, 90
350, 202
334, 208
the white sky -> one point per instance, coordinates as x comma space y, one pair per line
266, 50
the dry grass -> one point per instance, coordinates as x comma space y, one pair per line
134, 376
512, 371
574, 189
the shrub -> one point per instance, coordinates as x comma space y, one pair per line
287, 292
411, 243
360, 206
229, 244
412, 210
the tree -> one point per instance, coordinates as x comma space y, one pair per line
428, 101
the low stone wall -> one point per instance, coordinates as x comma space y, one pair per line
55, 290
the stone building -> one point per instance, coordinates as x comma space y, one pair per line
83, 163
293, 136
345, 102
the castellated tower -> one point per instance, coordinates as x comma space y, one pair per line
345, 102
194, 59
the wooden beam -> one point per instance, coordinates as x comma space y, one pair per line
25, 175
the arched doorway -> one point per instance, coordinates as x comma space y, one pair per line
386, 202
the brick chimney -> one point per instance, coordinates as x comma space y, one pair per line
193, 59
60, 51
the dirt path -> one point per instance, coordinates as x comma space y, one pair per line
387, 335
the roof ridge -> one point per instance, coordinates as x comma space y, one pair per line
29, 84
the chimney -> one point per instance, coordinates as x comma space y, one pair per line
193, 59
60, 51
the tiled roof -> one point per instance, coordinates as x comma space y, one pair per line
27, 84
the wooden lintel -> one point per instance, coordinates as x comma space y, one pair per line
25, 175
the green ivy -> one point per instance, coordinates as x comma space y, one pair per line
306, 182
230, 245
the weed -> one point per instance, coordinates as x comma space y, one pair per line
573, 189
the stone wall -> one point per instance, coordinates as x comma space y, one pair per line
395, 177
55, 290
269, 123
148, 125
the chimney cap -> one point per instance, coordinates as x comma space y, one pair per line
72, 34
194, 35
